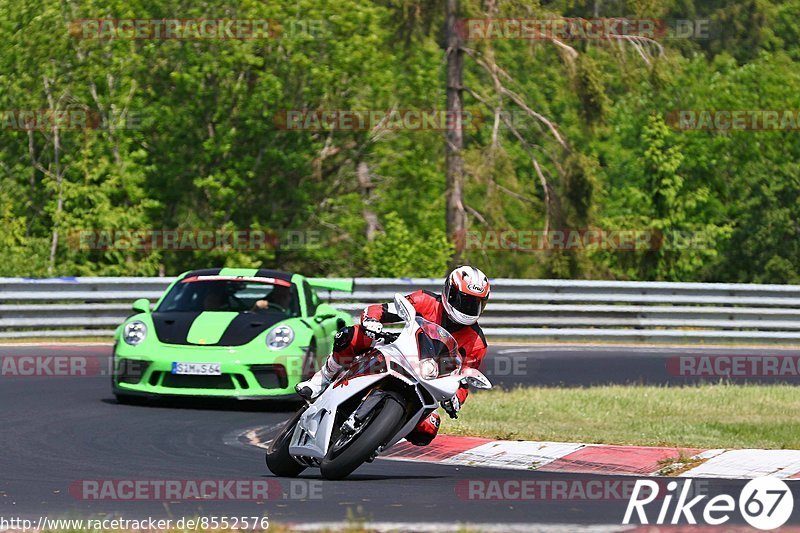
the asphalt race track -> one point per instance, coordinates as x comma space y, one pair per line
56, 432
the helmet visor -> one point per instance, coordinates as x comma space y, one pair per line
465, 303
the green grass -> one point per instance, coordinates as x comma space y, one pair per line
704, 416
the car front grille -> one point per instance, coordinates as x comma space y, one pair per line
131, 370
179, 381
270, 376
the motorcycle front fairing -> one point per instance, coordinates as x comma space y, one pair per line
312, 434
403, 353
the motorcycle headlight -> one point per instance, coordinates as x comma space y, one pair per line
280, 337
428, 369
134, 332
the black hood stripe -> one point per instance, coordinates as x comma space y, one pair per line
247, 326
173, 327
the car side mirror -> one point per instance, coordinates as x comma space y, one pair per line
142, 305
324, 312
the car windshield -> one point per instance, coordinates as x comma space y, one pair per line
240, 295
435, 342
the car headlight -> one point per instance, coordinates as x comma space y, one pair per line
280, 337
428, 369
134, 332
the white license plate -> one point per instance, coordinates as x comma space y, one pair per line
197, 369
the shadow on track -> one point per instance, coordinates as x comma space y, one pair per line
210, 404
314, 474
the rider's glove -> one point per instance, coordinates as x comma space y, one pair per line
372, 327
452, 406
389, 336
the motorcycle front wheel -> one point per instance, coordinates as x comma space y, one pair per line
344, 456
279, 461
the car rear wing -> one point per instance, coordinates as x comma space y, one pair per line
344, 285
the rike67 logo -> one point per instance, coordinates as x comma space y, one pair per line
764, 503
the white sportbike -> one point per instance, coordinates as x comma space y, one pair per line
376, 402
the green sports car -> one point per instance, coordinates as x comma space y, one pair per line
227, 332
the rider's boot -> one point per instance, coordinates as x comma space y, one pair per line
316, 384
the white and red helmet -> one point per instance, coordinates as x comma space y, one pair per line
466, 291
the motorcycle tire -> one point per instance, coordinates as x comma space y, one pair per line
338, 464
278, 459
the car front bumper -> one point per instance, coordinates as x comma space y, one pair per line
246, 373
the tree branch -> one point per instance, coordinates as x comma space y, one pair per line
527, 147
476, 214
492, 70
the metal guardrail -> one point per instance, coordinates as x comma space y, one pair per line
534, 309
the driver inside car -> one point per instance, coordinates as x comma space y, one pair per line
279, 298
457, 309
215, 300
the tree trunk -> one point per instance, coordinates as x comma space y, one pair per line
59, 179
456, 217
366, 186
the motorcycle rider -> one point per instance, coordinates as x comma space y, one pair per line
457, 309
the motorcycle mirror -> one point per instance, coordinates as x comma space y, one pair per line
404, 308
475, 378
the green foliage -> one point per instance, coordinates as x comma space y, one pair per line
13, 242
594, 101
190, 138
398, 252
579, 184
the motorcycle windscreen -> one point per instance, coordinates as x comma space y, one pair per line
434, 342
366, 365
